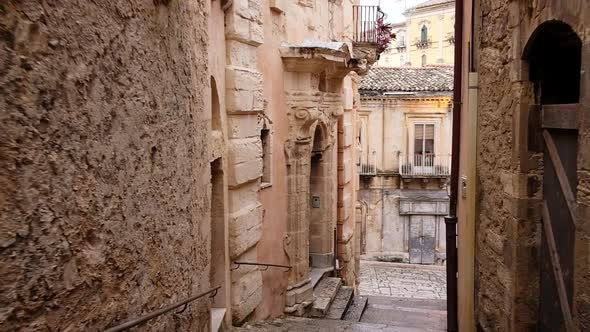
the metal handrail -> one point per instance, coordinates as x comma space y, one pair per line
288, 267
145, 318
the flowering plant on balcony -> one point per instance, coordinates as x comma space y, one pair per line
384, 34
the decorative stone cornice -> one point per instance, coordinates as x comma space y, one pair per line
315, 57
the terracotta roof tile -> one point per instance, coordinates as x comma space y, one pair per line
408, 79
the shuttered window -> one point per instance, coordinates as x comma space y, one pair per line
424, 138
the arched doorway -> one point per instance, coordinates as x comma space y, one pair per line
554, 57
320, 226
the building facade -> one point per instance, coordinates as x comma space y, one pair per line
524, 167
404, 161
425, 38
288, 101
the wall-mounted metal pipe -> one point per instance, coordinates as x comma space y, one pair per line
451, 219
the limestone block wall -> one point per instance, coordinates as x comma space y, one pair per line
104, 174
244, 104
509, 176
347, 182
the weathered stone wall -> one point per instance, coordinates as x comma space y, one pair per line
104, 179
510, 177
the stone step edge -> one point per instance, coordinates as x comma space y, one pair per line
339, 313
324, 273
357, 308
320, 312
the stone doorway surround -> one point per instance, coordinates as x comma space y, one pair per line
313, 90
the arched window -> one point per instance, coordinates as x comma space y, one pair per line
424, 34
402, 60
401, 42
423, 60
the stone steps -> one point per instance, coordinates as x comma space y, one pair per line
324, 293
316, 274
356, 309
340, 303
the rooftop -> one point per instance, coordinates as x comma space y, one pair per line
381, 80
431, 3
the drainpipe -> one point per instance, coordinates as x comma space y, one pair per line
382, 168
451, 219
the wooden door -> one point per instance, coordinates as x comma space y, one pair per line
422, 239
559, 132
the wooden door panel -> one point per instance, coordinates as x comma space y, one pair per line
415, 240
562, 146
428, 239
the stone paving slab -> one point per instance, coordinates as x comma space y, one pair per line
405, 317
356, 308
402, 280
299, 324
341, 303
430, 304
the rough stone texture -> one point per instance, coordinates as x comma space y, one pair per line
104, 174
510, 176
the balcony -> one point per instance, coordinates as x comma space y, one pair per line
423, 43
425, 166
366, 23
368, 165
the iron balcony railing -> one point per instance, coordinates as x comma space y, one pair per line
368, 164
366, 26
425, 165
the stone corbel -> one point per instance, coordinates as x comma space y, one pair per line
364, 56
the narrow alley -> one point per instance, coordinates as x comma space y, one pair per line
393, 297
295, 165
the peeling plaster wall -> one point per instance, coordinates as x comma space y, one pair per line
104, 180
509, 179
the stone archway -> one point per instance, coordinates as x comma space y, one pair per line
553, 54
310, 148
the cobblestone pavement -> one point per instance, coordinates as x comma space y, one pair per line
298, 324
403, 280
